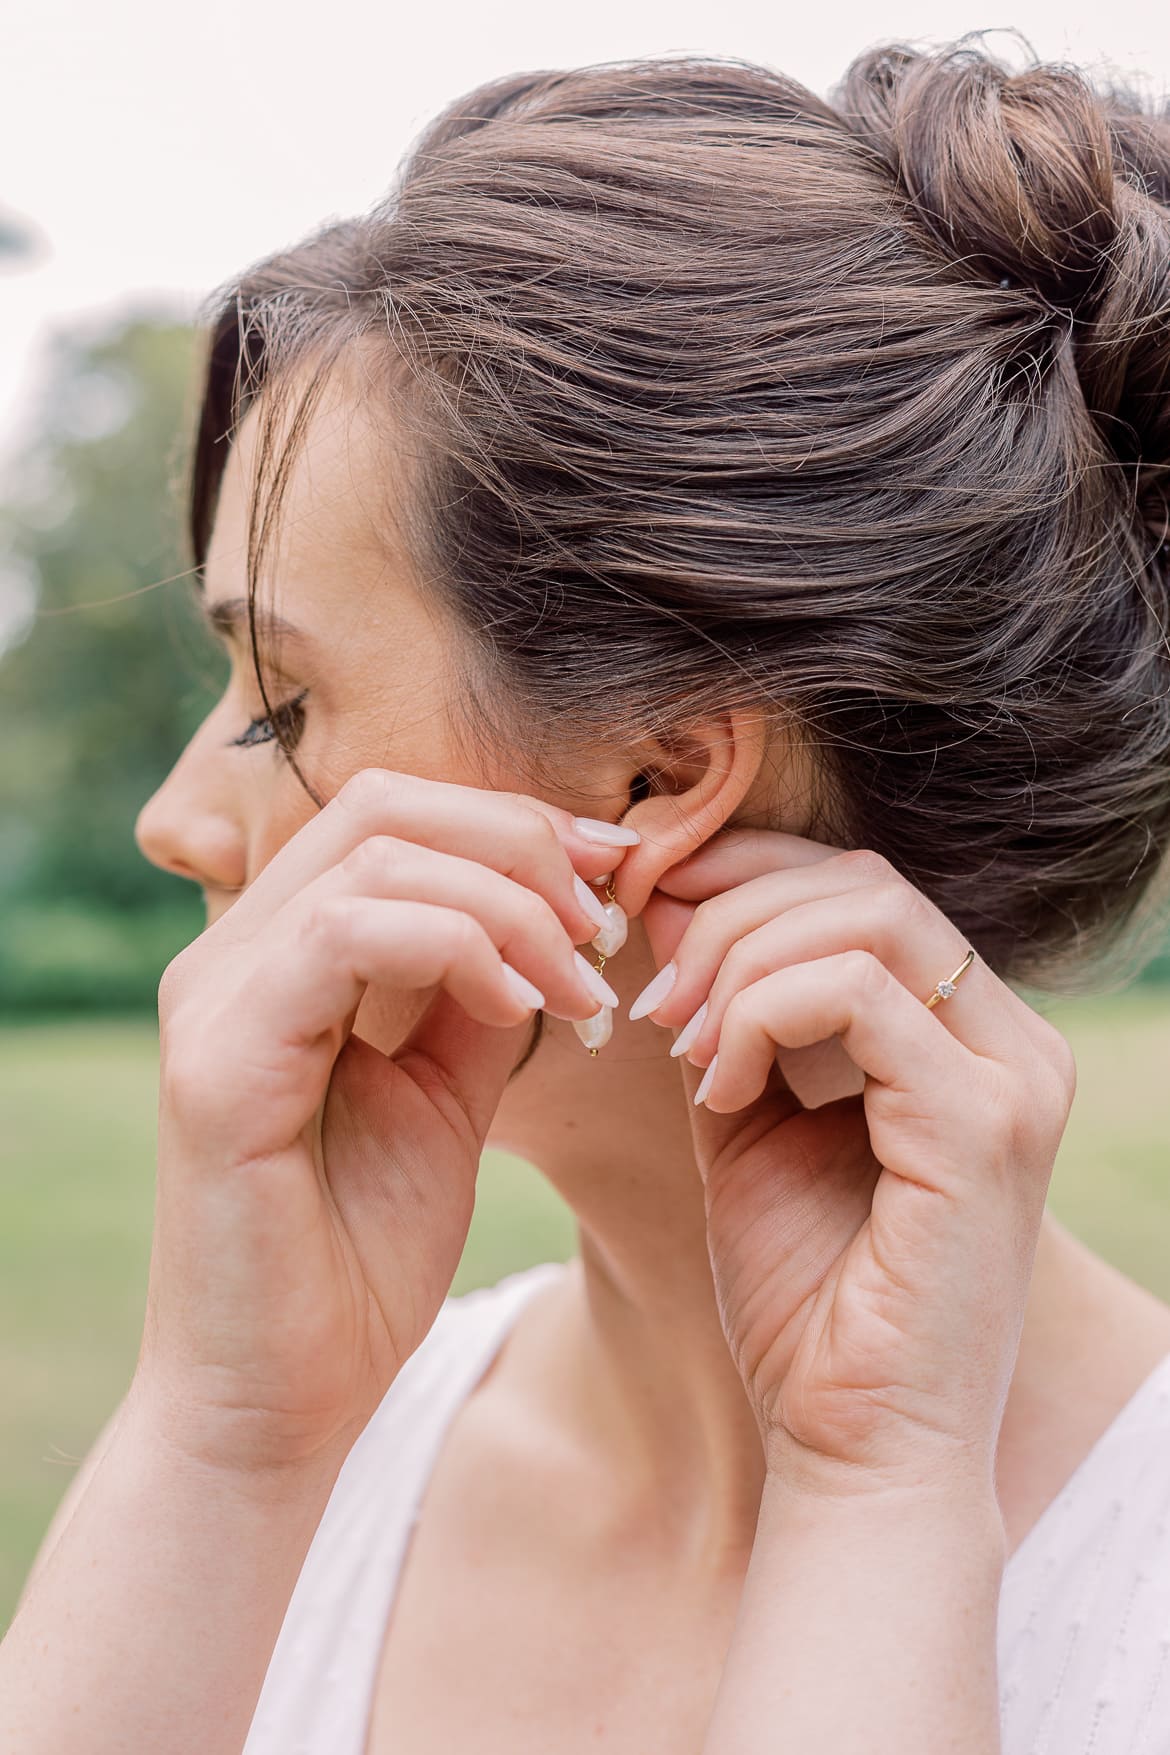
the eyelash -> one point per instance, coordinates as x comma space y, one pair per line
289, 713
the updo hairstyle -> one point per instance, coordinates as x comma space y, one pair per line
718, 393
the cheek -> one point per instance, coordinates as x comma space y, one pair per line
275, 806
407, 736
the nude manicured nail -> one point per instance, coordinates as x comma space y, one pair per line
689, 1031
596, 984
605, 834
588, 903
707, 1079
654, 992
525, 992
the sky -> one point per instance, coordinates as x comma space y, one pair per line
154, 151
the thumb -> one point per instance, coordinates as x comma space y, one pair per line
474, 1060
665, 919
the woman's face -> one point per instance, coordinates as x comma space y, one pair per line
375, 662
379, 667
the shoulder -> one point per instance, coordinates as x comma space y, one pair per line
463, 1337
510, 1291
465, 1314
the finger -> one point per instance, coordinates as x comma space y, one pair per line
346, 943
888, 1033
725, 916
735, 856
521, 924
533, 843
472, 1062
894, 923
664, 921
291, 1013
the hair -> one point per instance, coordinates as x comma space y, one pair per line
857, 411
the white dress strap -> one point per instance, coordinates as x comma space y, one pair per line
318, 1689
1084, 1612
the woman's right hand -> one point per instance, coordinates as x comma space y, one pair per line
314, 1194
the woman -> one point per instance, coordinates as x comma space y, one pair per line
725, 530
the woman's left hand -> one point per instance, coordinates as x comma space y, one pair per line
871, 1255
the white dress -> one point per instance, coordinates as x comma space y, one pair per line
1084, 1622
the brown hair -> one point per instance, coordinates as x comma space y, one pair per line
728, 394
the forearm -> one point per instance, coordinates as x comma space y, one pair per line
153, 1619
867, 1625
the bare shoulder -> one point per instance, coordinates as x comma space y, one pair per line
1094, 1323
1092, 1336
1129, 1316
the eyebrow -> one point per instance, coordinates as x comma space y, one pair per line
228, 617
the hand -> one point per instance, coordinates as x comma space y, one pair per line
871, 1255
314, 1194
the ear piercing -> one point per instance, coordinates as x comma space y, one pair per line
596, 1031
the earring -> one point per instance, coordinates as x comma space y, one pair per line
596, 1031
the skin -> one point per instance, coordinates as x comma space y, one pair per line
682, 1407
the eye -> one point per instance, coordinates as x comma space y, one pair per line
288, 719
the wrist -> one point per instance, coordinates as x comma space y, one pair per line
903, 1576
935, 1487
939, 1466
942, 1547
183, 1443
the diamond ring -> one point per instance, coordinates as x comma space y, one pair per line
947, 987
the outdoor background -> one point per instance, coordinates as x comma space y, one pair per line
136, 173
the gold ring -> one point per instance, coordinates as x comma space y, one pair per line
947, 987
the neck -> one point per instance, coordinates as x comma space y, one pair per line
638, 1369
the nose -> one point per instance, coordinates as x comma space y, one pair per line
189, 826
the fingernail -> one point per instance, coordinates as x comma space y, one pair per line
596, 984
706, 1080
595, 1032
588, 903
614, 933
600, 882
605, 834
522, 988
689, 1031
654, 992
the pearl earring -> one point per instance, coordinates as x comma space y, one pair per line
596, 1031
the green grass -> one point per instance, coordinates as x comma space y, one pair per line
77, 1187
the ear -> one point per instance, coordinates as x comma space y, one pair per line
693, 789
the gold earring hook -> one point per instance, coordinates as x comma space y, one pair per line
601, 957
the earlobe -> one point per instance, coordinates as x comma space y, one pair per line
692, 793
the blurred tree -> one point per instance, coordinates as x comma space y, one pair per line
104, 681
18, 241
